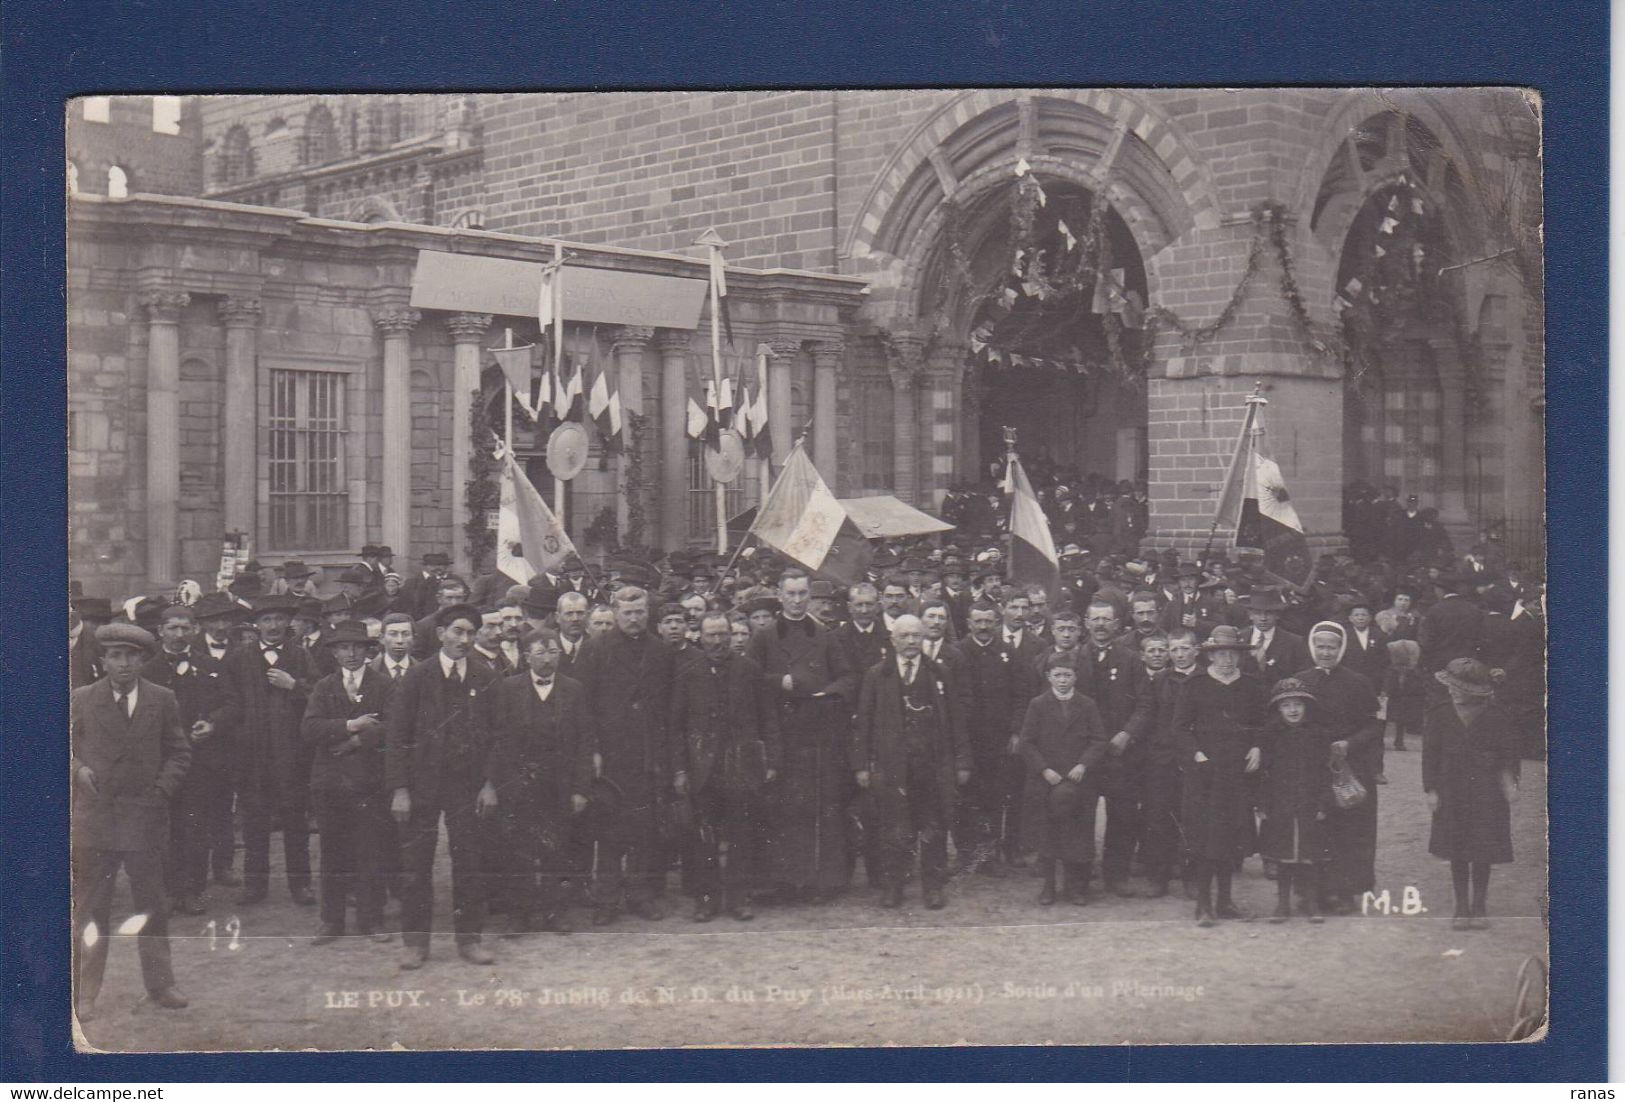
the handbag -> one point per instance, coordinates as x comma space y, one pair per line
1347, 791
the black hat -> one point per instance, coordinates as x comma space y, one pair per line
347, 631
296, 568
246, 585
356, 576
437, 558
457, 612
542, 600
1187, 570
93, 608
1266, 600
308, 609
764, 603
212, 605
274, 602
369, 551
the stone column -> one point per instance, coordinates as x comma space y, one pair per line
1452, 438
467, 331
395, 504
242, 320
674, 353
630, 343
163, 432
940, 419
905, 359
780, 373
828, 356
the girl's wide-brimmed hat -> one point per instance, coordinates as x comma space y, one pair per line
1290, 688
1224, 637
1466, 675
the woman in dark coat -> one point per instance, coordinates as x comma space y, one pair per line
1216, 725
1297, 796
1062, 742
1470, 775
1347, 703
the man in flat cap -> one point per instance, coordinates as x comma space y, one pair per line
266, 689
438, 736
129, 756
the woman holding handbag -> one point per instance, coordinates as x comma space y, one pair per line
1470, 775
1347, 702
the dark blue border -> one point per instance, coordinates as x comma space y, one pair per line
52, 51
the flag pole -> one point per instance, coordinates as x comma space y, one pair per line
766, 494
1010, 490
507, 407
558, 360
715, 245
1250, 433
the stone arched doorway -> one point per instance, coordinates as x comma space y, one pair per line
1049, 342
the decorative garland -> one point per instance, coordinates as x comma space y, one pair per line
481, 492
636, 517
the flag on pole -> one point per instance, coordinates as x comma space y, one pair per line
543, 542
604, 407
1032, 549
1254, 503
567, 391
509, 541
719, 280
803, 520
725, 404
515, 365
696, 420
763, 433
713, 415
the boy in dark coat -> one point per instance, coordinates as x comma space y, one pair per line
1062, 740
910, 748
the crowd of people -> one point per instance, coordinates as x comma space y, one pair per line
592, 744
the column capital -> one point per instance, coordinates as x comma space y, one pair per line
905, 357
163, 305
240, 313
674, 340
828, 353
392, 320
785, 349
465, 328
632, 337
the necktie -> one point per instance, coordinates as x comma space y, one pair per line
352, 685
908, 671
395, 673
457, 674
123, 701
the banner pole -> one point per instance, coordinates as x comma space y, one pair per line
558, 363
716, 381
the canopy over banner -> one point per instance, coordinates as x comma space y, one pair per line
494, 285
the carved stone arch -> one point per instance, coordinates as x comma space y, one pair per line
981, 195
1080, 127
1332, 167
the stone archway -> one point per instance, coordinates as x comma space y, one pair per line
959, 169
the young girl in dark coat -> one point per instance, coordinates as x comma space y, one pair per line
1470, 774
1297, 796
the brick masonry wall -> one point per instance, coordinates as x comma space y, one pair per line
162, 164
653, 170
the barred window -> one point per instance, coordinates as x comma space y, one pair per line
309, 503
702, 497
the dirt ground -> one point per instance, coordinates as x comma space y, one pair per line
993, 968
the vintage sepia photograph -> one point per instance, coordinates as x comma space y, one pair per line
807, 567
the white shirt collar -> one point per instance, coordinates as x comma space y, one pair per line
133, 694
447, 665
902, 665
543, 691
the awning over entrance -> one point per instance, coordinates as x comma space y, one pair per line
496, 285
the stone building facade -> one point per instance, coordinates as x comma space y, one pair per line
1371, 259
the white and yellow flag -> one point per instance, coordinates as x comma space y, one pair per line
802, 519
526, 520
